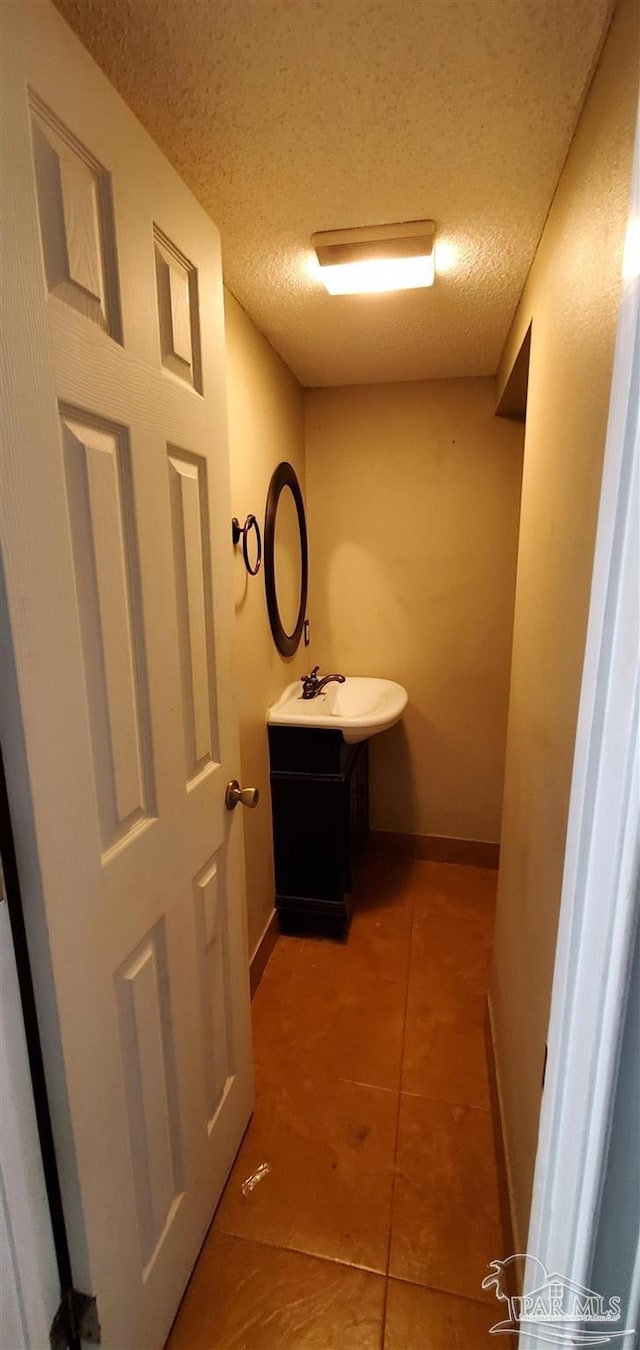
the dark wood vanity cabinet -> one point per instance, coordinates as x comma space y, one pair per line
320, 801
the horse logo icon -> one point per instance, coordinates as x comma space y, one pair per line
556, 1311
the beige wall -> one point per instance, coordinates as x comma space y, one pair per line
266, 425
572, 297
413, 497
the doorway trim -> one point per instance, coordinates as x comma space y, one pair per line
598, 910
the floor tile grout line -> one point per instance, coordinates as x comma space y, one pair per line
352, 1265
442, 1101
413, 921
296, 973
383, 1327
302, 1251
440, 1289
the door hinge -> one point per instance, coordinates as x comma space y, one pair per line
75, 1320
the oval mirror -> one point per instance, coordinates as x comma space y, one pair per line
285, 559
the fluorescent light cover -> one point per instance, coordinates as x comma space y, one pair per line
378, 274
447, 256
373, 258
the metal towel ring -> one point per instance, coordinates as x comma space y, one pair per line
239, 532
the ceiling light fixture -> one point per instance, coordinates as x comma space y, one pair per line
376, 258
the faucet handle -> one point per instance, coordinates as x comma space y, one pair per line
309, 683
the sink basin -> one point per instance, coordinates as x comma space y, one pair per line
358, 708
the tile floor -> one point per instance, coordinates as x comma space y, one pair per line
375, 1224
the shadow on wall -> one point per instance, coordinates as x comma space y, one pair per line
414, 496
360, 605
241, 582
393, 784
439, 624
405, 764
354, 572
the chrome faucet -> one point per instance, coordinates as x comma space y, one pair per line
312, 686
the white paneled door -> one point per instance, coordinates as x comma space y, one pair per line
118, 724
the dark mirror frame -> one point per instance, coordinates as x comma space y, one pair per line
284, 476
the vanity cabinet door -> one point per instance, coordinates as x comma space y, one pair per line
320, 825
310, 821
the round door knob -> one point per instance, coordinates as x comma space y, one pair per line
235, 794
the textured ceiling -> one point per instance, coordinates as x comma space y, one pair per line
290, 116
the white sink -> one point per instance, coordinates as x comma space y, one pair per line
358, 708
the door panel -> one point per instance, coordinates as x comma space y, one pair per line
213, 952
148, 1061
117, 560
76, 220
107, 579
179, 325
193, 583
